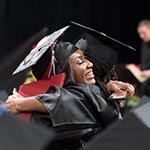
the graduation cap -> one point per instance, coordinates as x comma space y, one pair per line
79, 34
107, 40
102, 50
39, 50
73, 34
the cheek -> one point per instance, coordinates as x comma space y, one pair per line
78, 74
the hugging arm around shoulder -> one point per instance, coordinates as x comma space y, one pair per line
75, 108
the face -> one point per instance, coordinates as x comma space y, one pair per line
82, 68
144, 33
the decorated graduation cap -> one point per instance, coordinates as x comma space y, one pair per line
82, 37
40, 49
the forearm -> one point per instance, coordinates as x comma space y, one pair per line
31, 104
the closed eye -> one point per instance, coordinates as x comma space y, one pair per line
79, 61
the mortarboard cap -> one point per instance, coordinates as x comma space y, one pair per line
107, 40
102, 50
78, 31
39, 50
73, 33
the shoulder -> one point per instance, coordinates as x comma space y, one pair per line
84, 87
89, 91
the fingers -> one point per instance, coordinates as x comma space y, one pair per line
113, 86
16, 94
8, 105
121, 88
11, 105
14, 91
129, 88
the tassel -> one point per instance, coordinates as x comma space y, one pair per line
53, 60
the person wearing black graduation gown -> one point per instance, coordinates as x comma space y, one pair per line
77, 111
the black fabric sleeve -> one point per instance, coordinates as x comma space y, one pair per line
72, 106
76, 111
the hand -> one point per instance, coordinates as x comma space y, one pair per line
16, 94
17, 103
120, 89
12, 102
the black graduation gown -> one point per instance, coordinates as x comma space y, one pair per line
75, 112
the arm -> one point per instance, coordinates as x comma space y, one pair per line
120, 89
17, 103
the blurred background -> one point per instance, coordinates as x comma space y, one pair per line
24, 22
